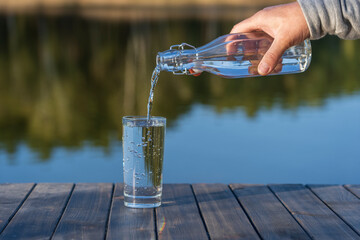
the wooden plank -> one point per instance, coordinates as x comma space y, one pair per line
129, 223
315, 217
355, 189
87, 212
222, 213
11, 198
178, 217
270, 217
38, 216
341, 201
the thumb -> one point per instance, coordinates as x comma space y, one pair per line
271, 57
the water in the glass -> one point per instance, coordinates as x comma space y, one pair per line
143, 147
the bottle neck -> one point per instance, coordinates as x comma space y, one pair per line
176, 61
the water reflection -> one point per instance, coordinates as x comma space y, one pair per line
67, 81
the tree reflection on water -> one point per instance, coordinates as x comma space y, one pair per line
65, 80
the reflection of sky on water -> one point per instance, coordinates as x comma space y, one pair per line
309, 145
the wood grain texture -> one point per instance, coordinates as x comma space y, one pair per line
38, 216
315, 217
355, 189
222, 213
129, 223
178, 217
11, 197
269, 216
341, 201
87, 212
324, 212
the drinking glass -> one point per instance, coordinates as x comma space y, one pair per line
143, 153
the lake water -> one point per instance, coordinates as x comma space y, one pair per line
66, 81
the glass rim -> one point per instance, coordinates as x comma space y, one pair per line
138, 118
141, 119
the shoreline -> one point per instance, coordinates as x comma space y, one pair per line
139, 10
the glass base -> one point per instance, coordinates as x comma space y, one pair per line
142, 205
142, 201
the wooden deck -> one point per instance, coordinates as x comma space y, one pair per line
197, 211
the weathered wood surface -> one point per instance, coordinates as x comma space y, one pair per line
38, 216
345, 204
129, 223
222, 213
179, 217
198, 211
86, 214
355, 189
317, 219
269, 216
11, 198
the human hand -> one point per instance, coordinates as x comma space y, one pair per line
285, 23
252, 46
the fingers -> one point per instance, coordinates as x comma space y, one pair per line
232, 45
271, 57
250, 44
285, 23
253, 69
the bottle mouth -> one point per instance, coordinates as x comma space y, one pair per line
158, 59
167, 60
171, 60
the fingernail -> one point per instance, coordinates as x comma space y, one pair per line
264, 68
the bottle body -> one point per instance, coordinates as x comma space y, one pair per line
233, 56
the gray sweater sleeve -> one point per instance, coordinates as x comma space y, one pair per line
336, 17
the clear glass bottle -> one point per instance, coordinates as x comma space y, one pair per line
232, 56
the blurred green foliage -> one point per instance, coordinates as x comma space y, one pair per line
66, 80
